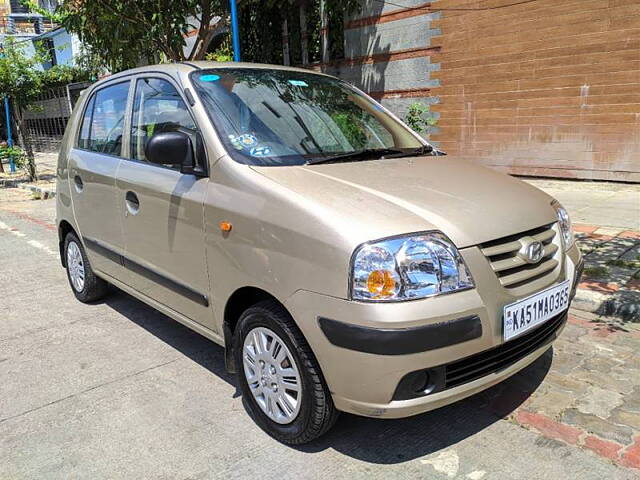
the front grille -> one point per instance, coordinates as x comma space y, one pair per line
499, 358
512, 270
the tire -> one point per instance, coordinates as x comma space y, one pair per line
315, 413
92, 288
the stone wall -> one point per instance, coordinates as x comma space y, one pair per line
388, 52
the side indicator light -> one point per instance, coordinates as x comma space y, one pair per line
225, 226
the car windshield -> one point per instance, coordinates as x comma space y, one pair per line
281, 117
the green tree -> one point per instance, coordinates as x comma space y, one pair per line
125, 32
21, 81
261, 28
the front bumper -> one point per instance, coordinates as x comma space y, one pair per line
365, 364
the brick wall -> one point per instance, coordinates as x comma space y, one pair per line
547, 88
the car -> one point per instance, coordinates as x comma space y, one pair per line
344, 263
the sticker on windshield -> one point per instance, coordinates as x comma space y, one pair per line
210, 78
235, 141
248, 140
298, 83
260, 151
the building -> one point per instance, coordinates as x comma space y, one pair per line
28, 28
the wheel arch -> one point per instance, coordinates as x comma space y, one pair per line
239, 301
64, 228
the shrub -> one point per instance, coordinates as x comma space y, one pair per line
419, 117
16, 153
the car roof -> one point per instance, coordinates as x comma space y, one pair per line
188, 67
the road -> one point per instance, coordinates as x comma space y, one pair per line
118, 390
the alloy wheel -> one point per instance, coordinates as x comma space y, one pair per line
272, 375
75, 265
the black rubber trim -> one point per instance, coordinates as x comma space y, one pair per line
401, 341
103, 250
190, 98
576, 280
166, 282
191, 65
430, 380
148, 273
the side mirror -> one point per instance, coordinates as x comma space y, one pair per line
173, 148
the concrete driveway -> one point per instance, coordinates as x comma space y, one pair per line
614, 205
117, 390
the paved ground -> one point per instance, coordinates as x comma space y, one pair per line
117, 390
45, 169
596, 203
611, 281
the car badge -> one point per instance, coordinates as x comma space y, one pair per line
531, 251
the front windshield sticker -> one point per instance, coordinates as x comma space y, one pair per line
260, 151
210, 78
298, 83
235, 141
248, 140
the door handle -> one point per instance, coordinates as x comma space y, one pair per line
78, 183
132, 202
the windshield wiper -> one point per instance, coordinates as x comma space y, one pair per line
366, 154
414, 152
372, 154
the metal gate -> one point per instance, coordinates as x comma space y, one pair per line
47, 117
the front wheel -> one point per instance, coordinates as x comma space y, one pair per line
280, 377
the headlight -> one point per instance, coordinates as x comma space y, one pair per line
565, 224
407, 268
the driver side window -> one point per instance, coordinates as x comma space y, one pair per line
157, 108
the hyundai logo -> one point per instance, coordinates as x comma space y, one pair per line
533, 252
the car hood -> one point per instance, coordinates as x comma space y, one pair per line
368, 200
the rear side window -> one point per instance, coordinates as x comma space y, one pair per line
157, 108
103, 121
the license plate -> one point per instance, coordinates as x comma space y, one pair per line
529, 312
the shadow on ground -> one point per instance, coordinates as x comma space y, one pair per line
201, 350
397, 441
370, 440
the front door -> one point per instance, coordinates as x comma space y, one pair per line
163, 209
93, 163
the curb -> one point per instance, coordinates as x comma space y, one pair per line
608, 299
44, 192
588, 301
621, 304
9, 183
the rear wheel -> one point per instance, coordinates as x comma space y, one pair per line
279, 376
84, 283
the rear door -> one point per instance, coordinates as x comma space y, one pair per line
93, 164
163, 208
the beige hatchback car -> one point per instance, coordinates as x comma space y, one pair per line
343, 262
